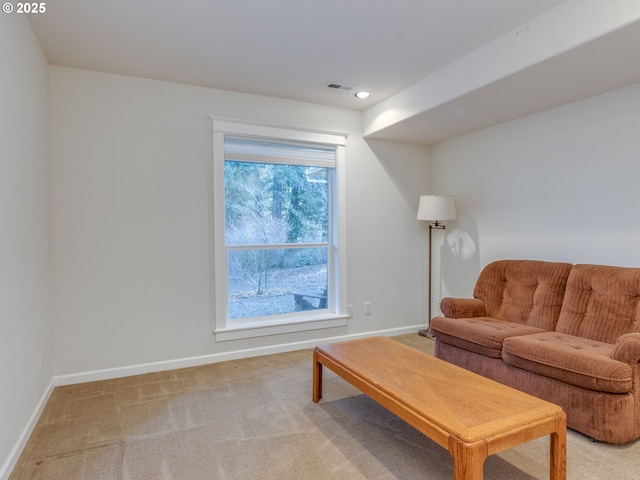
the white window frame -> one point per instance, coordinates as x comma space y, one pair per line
335, 315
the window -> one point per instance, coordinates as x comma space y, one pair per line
278, 230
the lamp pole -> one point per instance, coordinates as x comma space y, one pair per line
434, 208
437, 225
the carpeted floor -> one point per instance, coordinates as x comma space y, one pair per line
254, 419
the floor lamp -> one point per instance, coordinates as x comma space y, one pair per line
434, 209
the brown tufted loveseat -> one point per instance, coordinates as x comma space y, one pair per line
569, 334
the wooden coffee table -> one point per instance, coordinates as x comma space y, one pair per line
469, 415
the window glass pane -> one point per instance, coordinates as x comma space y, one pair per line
276, 281
270, 204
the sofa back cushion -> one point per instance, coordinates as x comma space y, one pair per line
601, 302
523, 291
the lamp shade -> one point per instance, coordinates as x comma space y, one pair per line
436, 207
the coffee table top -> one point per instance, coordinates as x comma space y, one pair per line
452, 399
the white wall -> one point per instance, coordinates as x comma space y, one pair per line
130, 162
25, 325
561, 185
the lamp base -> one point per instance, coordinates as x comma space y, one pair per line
425, 333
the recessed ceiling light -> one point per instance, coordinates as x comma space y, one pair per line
362, 94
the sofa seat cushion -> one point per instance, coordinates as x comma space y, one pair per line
483, 335
575, 360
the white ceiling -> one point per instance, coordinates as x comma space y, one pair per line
285, 48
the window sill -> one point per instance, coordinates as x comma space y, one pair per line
278, 328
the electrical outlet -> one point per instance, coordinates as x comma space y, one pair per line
367, 308
350, 310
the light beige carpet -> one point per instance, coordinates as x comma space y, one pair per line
254, 419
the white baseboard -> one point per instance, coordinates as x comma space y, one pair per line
110, 373
128, 371
12, 459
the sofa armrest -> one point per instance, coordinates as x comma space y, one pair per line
627, 349
462, 307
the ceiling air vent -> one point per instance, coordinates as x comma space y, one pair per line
340, 86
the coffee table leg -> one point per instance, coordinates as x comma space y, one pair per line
558, 454
317, 378
468, 459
